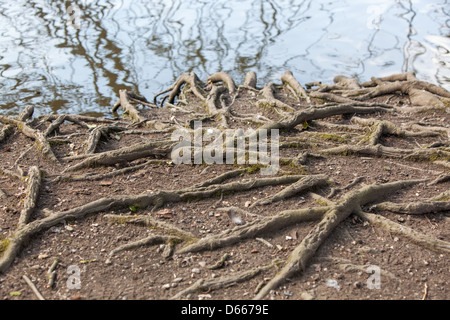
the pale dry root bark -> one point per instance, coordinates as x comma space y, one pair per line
300, 257
207, 285
217, 102
36, 135
128, 101
269, 99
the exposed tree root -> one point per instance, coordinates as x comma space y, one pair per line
150, 240
350, 203
203, 285
225, 78
34, 183
97, 133
250, 80
296, 188
418, 238
270, 100
253, 229
195, 86
36, 135
415, 207
24, 232
314, 113
92, 176
346, 266
380, 150
288, 79
153, 223
152, 148
383, 127
311, 133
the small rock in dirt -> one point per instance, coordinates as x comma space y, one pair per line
306, 296
195, 270
332, 284
166, 286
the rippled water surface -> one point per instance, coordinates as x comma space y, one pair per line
74, 56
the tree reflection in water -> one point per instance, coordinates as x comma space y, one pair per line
145, 45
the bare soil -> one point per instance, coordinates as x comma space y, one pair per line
343, 266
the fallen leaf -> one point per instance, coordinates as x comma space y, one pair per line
294, 234
165, 213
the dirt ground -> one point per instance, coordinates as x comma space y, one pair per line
357, 260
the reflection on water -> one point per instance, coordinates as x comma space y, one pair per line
77, 60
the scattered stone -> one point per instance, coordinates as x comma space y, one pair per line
333, 284
306, 296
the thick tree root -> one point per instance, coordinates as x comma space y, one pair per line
150, 240
256, 228
346, 266
225, 78
288, 79
350, 203
195, 86
422, 207
391, 152
203, 285
34, 184
383, 127
152, 223
308, 142
36, 135
418, 238
270, 100
97, 134
152, 148
296, 188
24, 232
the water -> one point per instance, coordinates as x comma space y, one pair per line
75, 61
